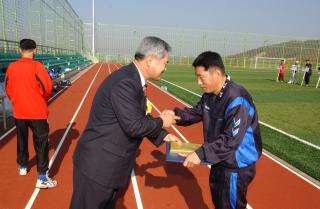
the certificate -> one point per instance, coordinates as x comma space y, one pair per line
173, 148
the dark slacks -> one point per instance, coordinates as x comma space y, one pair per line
229, 187
40, 130
307, 78
88, 194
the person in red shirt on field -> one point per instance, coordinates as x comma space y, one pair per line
28, 87
282, 68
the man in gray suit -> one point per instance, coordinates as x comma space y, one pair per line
106, 151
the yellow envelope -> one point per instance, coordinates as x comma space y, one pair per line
183, 148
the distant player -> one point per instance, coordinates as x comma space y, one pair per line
307, 72
294, 71
282, 68
318, 78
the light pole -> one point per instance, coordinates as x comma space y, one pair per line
93, 28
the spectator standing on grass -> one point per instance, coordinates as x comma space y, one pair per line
29, 86
308, 72
282, 68
294, 71
318, 78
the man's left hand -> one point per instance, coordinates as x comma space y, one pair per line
172, 138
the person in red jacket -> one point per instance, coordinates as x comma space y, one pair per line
28, 87
282, 68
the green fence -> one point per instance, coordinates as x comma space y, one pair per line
53, 24
119, 42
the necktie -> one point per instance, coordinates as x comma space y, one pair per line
145, 90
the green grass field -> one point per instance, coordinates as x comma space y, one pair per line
291, 108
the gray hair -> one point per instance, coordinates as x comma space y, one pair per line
151, 45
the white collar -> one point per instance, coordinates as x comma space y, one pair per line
143, 81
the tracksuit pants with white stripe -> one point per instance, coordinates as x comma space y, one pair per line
229, 186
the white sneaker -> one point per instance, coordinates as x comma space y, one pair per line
22, 171
48, 183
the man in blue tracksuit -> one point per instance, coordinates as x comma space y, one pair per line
232, 141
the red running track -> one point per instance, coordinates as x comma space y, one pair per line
161, 185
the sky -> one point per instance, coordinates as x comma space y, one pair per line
279, 17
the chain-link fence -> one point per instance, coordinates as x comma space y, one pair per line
119, 42
57, 29
53, 24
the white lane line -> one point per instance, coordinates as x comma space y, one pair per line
117, 67
136, 190
109, 69
262, 123
290, 135
289, 169
180, 134
7, 133
180, 87
133, 175
275, 160
58, 93
37, 190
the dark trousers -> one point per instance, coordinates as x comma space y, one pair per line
88, 194
229, 187
40, 130
307, 78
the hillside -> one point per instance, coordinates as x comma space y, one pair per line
290, 50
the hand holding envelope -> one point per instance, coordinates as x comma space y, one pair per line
183, 153
191, 160
187, 150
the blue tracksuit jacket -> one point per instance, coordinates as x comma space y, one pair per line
230, 124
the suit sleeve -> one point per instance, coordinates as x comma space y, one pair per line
126, 103
191, 115
157, 141
44, 80
225, 145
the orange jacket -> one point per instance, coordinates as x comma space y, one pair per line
28, 86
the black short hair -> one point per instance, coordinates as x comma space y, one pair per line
27, 44
209, 59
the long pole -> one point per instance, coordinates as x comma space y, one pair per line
304, 75
93, 22
4, 33
277, 79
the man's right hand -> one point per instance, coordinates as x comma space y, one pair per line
168, 119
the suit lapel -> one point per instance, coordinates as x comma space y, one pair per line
136, 77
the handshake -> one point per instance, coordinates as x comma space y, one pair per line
168, 117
